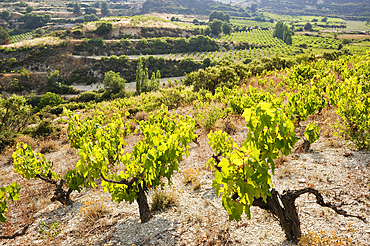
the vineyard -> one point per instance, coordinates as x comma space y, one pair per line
260, 44
315, 42
241, 128
21, 37
351, 26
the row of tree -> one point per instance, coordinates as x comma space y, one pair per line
104, 9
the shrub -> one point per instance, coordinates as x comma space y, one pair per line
77, 32
213, 77
45, 128
29, 9
113, 83
50, 99
87, 96
206, 115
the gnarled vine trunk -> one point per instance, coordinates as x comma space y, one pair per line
145, 214
60, 194
288, 215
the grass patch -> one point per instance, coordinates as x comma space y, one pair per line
161, 200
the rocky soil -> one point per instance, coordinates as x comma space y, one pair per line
196, 216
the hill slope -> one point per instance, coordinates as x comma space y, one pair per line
350, 9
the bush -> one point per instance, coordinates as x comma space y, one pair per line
206, 115
77, 32
87, 96
113, 83
45, 128
59, 109
7, 138
40, 31
50, 99
213, 77
29, 9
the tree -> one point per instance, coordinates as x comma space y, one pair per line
283, 32
308, 27
5, 15
157, 80
216, 27
104, 28
23, 4
219, 15
29, 9
96, 4
33, 20
254, 7
14, 114
226, 28
90, 10
40, 31
142, 78
104, 8
325, 19
207, 32
139, 75
76, 8
4, 35
113, 83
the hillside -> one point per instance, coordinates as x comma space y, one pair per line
349, 9
198, 7
125, 136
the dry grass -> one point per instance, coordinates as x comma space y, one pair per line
93, 210
209, 230
326, 131
70, 150
323, 238
279, 162
26, 139
227, 125
284, 172
6, 156
49, 146
139, 116
36, 42
334, 142
191, 176
162, 199
63, 138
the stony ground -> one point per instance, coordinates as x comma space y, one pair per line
196, 216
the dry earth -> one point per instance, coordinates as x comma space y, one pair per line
197, 217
